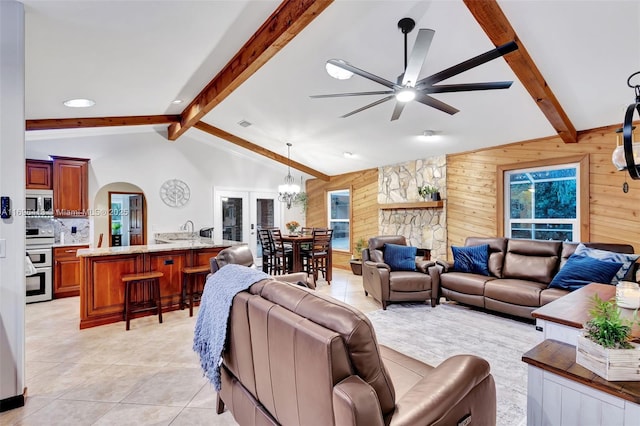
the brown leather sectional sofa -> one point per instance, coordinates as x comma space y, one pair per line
294, 357
520, 272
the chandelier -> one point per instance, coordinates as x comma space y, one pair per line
288, 192
627, 155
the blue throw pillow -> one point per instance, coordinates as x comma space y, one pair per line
627, 260
579, 271
400, 258
471, 259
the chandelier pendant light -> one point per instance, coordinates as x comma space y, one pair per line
631, 149
288, 192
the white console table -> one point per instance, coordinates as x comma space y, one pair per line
561, 392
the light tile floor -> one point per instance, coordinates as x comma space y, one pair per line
105, 375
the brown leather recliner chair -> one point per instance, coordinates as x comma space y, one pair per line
386, 285
241, 255
296, 357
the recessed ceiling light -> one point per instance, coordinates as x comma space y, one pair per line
176, 101
348, 154
79, 103
337, 72
429, 136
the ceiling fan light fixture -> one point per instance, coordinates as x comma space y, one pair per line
337, 72
79, 103
406, 95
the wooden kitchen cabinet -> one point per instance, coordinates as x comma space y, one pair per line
38, 174
101, 271
66, 271
70, 187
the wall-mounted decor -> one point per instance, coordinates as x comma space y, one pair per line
175, 193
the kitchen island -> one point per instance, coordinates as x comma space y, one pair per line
101, 269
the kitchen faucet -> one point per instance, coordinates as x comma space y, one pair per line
185, 228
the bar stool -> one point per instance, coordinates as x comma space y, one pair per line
153, 292
317, 259
190, 291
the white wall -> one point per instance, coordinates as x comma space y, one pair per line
12, 183
144, 157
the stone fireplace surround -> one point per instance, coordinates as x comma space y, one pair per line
422, 227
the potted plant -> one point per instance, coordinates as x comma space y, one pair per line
428, 191
115, 228
301, 200
356, 257
605, 346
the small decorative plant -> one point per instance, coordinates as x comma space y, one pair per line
115, 228
606, 327
360, 244
292, 226
426, 191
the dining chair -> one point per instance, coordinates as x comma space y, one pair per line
283, 253
268, 251
316, 259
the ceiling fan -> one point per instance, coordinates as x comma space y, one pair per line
408, 87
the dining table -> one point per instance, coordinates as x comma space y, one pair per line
297, 241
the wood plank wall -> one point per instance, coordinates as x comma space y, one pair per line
471, 192
363, 186
471, 187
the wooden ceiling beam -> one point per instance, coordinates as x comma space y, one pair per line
496, 25
288, 20
76, 123
236, 140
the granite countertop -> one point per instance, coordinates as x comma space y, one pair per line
69, 244
180, 245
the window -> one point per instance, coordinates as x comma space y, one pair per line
339, 203
543, 203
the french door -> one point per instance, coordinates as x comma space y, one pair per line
237, 216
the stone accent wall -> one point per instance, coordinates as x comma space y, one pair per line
424, 228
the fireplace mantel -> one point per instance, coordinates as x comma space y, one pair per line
415, 205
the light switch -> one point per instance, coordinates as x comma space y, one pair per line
3, 247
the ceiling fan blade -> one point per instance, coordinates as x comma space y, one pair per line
338, 95
378, 102
467, 65
397, 110
418, 55
363, 73
445, 88
433, 102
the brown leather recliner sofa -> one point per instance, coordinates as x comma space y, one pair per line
242, 255
294, 357
386, 285
520, 272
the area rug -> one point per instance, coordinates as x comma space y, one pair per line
434, 334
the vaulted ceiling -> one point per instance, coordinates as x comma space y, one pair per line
135, 57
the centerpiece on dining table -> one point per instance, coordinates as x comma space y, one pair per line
292, 226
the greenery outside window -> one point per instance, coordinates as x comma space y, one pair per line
339, 210
544, 202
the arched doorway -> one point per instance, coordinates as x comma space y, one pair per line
125, 218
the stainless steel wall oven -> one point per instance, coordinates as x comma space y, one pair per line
38, 245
